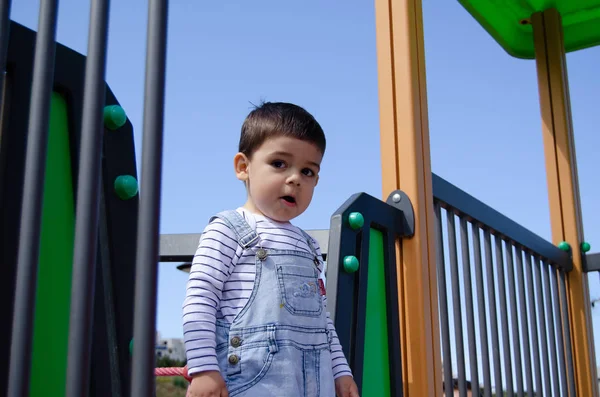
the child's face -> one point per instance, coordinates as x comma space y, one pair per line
281, 177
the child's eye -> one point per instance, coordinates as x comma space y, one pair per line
278, 164
308, 172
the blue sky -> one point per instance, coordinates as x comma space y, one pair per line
484, 115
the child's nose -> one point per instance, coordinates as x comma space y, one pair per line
294, 178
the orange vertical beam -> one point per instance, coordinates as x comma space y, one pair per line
406, 165
563, 186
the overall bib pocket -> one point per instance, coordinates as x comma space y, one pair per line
299, 289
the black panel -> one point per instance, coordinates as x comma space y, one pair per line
351, 288
118, 243
113, 313
12, 155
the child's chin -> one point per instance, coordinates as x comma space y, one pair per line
287, 215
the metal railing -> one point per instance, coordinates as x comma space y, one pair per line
508, 294
88, 202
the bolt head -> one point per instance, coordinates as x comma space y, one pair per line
356, 220
585, 246
564, 246
351, 264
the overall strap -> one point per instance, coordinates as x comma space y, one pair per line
244, 233
309, 241
318, 260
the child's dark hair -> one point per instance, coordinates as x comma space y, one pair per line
271, 119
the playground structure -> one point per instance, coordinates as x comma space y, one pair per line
387, 260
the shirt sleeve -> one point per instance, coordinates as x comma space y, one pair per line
338, 359
213, 262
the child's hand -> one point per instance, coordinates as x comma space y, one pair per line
346, 387
208, 384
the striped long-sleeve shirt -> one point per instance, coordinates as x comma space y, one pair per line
221, 280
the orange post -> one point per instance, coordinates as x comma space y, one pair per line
563, 186
406, 165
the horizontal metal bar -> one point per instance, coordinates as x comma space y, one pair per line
592, 262
178, 247
454, 199
182, 247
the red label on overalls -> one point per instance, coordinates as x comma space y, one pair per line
322, 287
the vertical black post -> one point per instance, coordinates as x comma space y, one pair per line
142, 382
348, 256
88, 196
33, 189
4, 34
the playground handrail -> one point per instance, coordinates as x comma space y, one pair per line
513, 280
462, 204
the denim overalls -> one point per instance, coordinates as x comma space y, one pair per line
278, 344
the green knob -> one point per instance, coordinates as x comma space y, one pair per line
350, 263
126, 187
356, 220
131, 346
564, 246
585, 247
114, 117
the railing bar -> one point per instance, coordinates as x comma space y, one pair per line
142, 381
551, 333
510, 264
504, 316
463, 203
481, 312
492, 310
466, 266
443, 302
87, 211
30, 227
107, 285
4, 38
524, 322
567, 332
456, 304
533, 322
542, 326
559, 332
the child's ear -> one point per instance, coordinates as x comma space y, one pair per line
240, 165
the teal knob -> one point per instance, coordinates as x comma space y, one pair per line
585, 247
131, 346
350, 263
356, 220
114, 117
126, 187
564, 246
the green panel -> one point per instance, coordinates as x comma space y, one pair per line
504, 22
376, 364
51, 326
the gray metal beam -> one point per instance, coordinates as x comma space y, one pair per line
592, 262
181, 247
178, 247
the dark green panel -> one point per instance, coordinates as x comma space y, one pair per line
51, 327
376, 368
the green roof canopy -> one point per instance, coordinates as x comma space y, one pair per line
508, 22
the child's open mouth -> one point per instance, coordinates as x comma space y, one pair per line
289, 201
